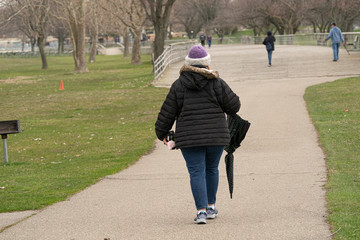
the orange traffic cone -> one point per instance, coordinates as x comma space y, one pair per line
61, 85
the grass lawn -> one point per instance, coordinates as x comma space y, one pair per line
248, 32
100, 124
335, 110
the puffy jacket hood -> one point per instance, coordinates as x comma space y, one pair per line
196, 77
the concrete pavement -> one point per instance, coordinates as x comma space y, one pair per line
279, 169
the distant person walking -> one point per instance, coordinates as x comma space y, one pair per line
202, 40
197, 100
336, 37
209, 39
270, 46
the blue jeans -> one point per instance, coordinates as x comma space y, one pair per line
202, 164
335, 47
270, 55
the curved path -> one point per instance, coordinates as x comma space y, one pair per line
279, 169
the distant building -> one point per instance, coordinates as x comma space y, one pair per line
10, 44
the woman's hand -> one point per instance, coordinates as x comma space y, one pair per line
165, 142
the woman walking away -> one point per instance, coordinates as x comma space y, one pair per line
270, 46
197, 100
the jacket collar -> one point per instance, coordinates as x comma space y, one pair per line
209, 74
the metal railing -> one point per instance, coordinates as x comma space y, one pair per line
173, 53
314, 39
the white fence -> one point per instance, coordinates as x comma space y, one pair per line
315, 39
173, 53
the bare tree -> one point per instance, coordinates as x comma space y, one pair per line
110, 23
285, 15
93, 23
344, 13
9, 10
224, 21
249, 15
32, 17
186, 14
124, 31
208, 10
75, 13
159, 13
59, 29
318, 14
38, 15
131, 14
31, 35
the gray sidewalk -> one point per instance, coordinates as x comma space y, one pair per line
279, 169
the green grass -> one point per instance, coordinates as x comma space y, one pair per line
335, 110
248, 32
100, 124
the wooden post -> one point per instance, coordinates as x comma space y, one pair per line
6, 157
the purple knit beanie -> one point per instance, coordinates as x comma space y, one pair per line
198, 56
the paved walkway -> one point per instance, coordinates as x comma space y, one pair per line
279, 170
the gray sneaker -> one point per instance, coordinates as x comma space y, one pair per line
211, 213
200, 218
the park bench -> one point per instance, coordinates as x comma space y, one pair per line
8, 127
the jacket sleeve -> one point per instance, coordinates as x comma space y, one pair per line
329, 35
167, 114
230, 101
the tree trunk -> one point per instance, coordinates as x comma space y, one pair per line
93, 48
136, 48
126, 42
322, 27
81, 51
169, 32
32, 43
159, 13
94, 36
60, 44
159, 42
314, 27
40, 42
94, 39
77, 29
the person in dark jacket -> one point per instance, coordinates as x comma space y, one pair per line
270, 45
202, 39
197, 101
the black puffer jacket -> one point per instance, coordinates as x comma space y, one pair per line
197, 101
271, 39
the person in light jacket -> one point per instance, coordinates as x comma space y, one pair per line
197, 101
336, 37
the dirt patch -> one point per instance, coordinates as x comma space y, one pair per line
109, 71
19, 80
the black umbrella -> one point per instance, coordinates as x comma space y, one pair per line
238, 128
